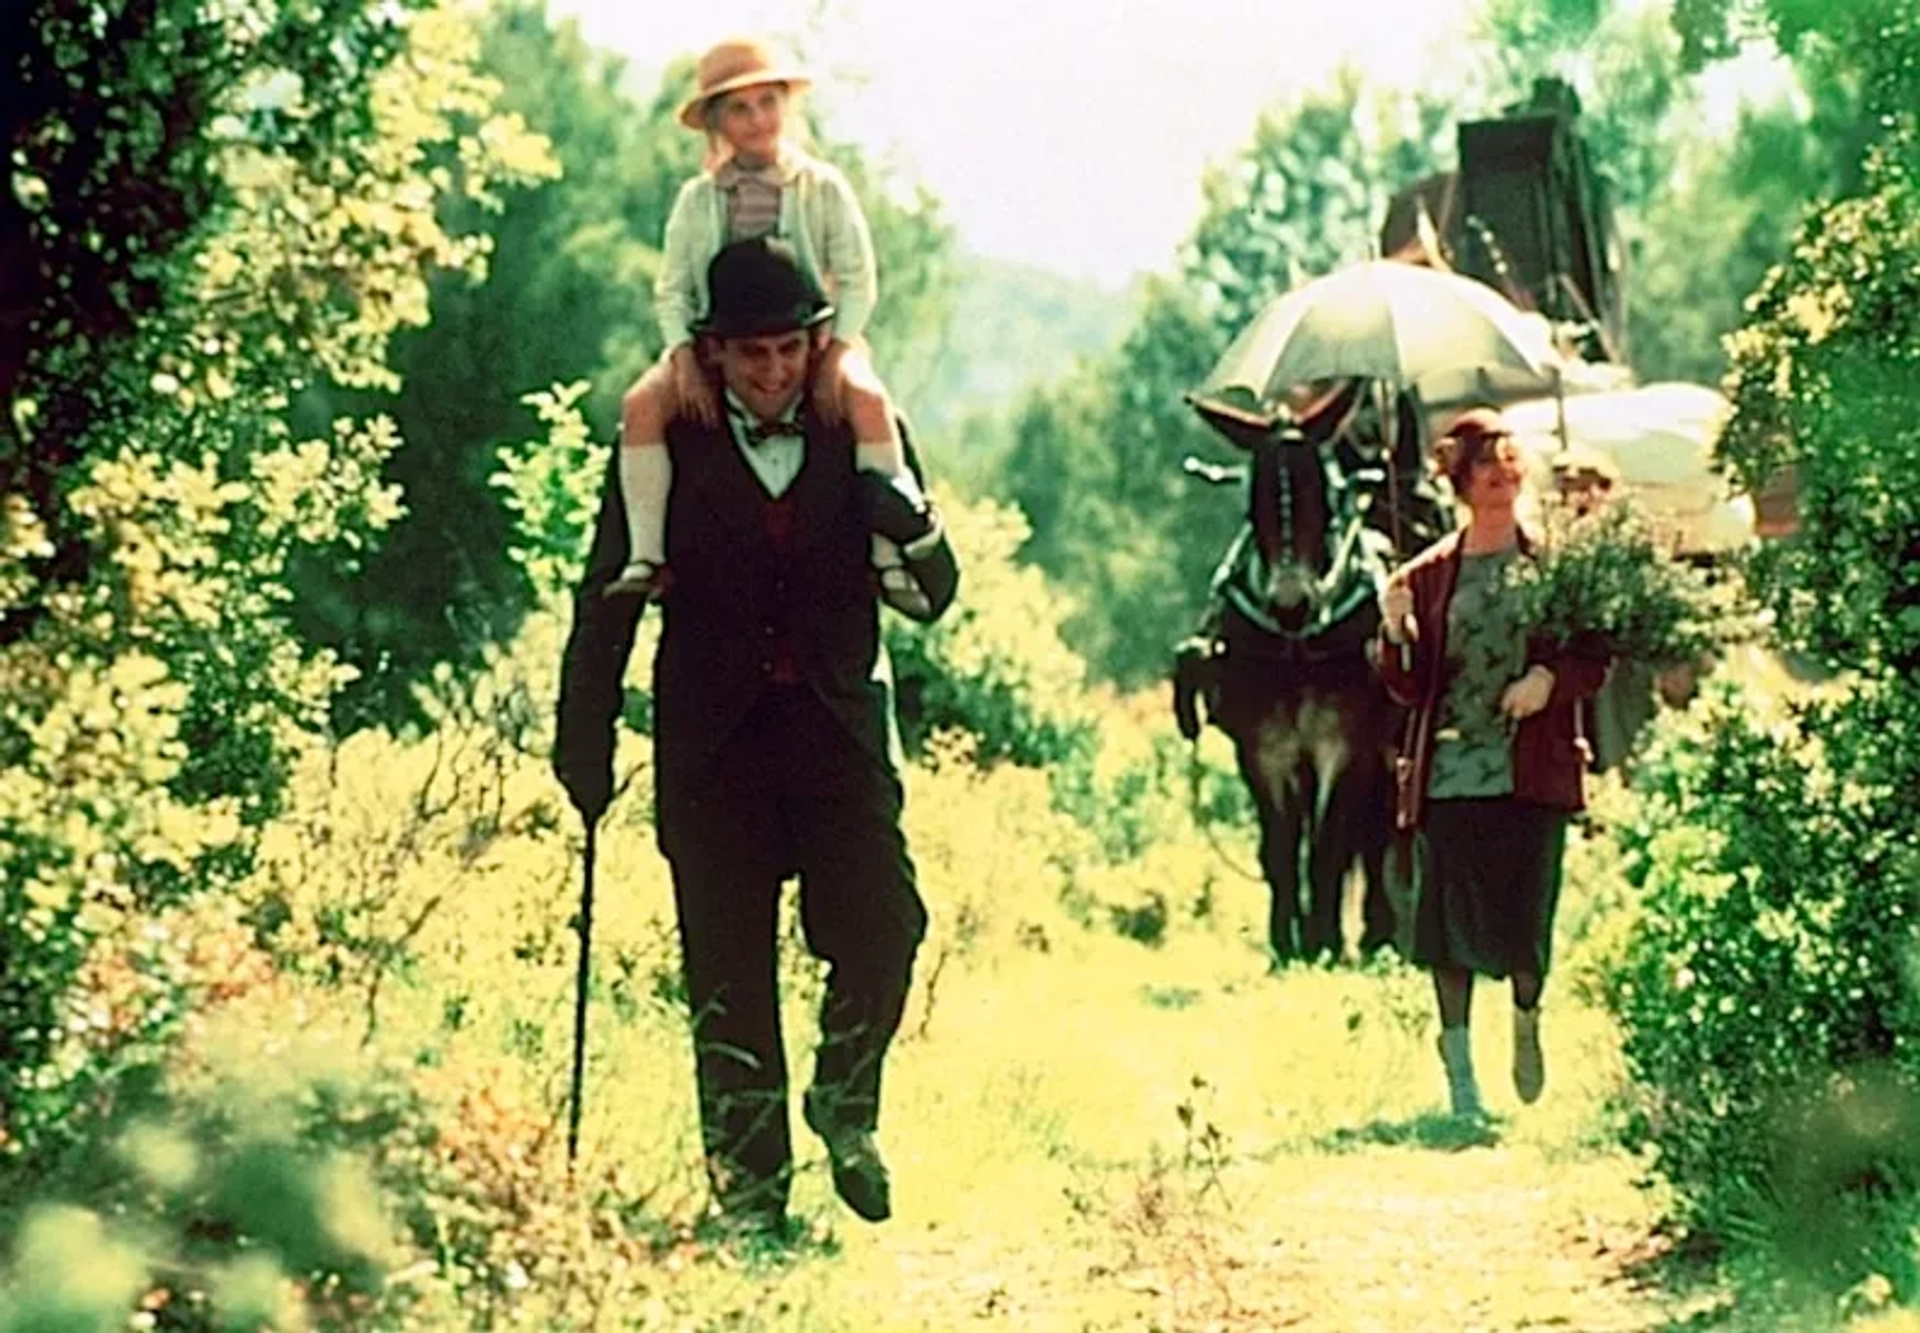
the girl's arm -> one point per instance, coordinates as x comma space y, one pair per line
847, 253
675, 286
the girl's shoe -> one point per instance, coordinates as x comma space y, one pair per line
641, 578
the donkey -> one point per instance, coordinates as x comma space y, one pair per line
1287, 677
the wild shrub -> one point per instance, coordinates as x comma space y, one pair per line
232, 207
281, 1175
1766, 977
1766, 986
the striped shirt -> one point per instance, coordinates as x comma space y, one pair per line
753, 199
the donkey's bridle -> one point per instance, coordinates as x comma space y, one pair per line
1334, 592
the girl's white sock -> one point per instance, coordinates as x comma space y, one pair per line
646, 474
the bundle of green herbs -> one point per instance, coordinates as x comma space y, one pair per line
1604, 584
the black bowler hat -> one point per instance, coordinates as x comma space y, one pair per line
758, 287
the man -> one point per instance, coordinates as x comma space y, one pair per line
773, 733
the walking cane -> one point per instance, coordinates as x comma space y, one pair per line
580, 994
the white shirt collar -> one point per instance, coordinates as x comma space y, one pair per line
741, 413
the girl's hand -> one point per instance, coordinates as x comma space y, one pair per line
691, 387
1528, 695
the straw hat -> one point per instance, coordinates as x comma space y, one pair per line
738, 62
1582, 463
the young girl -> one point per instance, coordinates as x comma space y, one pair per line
757, 181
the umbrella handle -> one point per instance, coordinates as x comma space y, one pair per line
588, 856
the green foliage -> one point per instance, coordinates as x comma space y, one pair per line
71, 1273
1739, 201
1012, 328
1767, 991
156, 492
552, 489
1768, 970
1856, 63
281, 1177
566, 297
1823, 386
227, 1194
1605, 584
1094, 460
1307, 194
1869, 42
1096, 463
1624, 62
994, 666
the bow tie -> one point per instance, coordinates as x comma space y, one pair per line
759, 432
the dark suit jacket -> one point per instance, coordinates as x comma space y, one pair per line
734, 595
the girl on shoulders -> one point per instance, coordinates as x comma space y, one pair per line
757, 181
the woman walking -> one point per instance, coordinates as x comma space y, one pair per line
1491, 766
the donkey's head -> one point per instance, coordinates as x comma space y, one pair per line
1289, 512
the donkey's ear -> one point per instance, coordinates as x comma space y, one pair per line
1247, 427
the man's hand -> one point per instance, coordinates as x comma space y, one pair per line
1528, 695
586, 771
1193, 670
1396, 610
890, 509
691, 388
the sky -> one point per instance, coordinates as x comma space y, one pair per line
1068, 134
1072, 134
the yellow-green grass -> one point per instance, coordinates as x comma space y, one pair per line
1086, 1132
1105, 1135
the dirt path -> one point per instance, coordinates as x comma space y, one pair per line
1126, 1141
1091, 1190
1386, 1238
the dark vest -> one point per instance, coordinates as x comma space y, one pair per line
746, 609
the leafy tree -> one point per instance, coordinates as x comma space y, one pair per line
220, 207
1095, 460
1625, 65
1682, 191
1868, 44
1306, 195
1822, 371
565, 297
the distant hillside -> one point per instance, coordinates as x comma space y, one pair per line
1013, 326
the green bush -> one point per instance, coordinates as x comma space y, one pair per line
231, 206
1766, 986
994, 666
1766, 978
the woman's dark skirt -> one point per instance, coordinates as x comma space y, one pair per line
1491, 886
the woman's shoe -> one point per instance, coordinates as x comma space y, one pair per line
1529, 1061
1463, 1090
